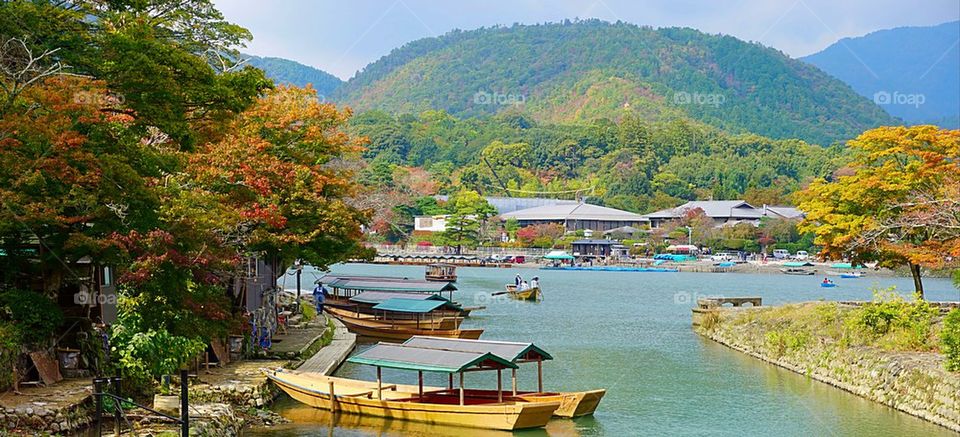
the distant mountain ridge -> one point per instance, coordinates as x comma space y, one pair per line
585, 70
911, 72
294, 73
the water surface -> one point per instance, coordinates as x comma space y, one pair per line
630, 333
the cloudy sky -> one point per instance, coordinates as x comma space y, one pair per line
342, 36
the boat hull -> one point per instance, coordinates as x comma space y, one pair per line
528, 294
396, 333
434, 323
360, 397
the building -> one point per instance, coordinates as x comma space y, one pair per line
595, 248
577, 216
724, 212
504, 205
430, 223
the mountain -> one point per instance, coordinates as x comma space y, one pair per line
584, 70
294, 73
912, 72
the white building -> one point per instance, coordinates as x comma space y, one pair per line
430, 223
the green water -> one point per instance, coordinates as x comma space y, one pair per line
630, 333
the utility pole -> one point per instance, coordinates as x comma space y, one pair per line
298, 264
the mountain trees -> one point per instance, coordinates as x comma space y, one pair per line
897, 204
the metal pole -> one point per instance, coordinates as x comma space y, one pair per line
98, 389
117, 405
450, 383
299, 270
420, 385
184, 405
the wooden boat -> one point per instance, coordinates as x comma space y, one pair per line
441, 272
532, 293
444, 406
397, 333
572, 404
800, 272
425, 323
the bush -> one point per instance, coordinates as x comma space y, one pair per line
144, 355
35, 316
950, 340
894, 323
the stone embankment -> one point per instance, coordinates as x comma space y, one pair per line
912, 382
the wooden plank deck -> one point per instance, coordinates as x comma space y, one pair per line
329, 357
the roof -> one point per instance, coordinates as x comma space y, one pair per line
504, 205
782, 211
376, 297
712, 208
580, 211
623, 229
388, 284
400, 305
512, 351
600, 242
558, 254
397, 356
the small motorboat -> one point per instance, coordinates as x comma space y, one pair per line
828, 284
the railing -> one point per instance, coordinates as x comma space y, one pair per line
99, 393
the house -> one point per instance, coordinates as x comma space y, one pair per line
430, 223
577, 216
724, 212
593, 248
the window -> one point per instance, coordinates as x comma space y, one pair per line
106, 277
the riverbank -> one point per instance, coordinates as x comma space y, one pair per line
820, 340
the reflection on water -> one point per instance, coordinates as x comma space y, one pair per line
630, 333
317, 422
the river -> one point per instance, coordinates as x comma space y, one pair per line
630, 333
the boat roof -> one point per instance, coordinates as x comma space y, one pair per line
401, 305
514, 351
398, 356
389, 284
376, 297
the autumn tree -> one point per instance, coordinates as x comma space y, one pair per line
897, 203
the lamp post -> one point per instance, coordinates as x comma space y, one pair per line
298, 265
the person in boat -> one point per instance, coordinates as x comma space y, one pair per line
517, 281
535, 282
523, 286
826, 280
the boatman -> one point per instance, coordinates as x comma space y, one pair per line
517, 281
535, 282
318, 297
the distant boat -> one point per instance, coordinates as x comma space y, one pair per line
851, 275
827, 284
800, 272
441, 272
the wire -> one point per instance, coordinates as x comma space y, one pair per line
540, 192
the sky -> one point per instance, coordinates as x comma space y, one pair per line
343, 36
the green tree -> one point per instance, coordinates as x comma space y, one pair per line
468, 212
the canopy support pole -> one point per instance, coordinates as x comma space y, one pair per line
461, 389
513, 378
540, 374
379, 384
333, 397
499, 385
420, 385
450, 383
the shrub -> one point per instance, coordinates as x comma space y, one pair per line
950, 340
894, 323
34, 315
143, 355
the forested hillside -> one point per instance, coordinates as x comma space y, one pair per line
285, 71
912, 72
636, 164
578, 72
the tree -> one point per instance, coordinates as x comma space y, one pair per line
897, 203
468, 212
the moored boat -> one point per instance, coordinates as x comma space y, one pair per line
383, 329
443, 406
572, 404
424, 323
799, 272
441, 272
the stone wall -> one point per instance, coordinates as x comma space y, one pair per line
40, 419
913, 382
